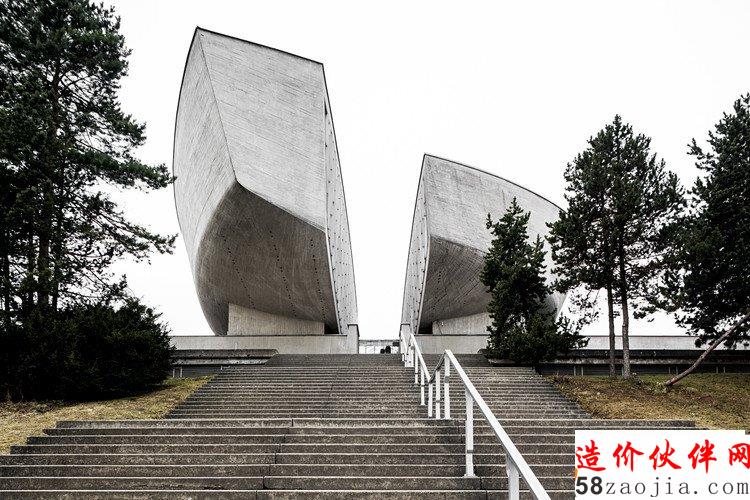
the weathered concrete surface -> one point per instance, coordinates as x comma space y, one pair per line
465, 325
459, 344
651, 342
283, 344
259, 193
244, 321
442, 291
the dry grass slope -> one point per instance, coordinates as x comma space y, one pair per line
711, 400
19, 420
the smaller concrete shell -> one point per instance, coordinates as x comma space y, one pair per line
442, 291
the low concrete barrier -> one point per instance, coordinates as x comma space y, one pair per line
283, 344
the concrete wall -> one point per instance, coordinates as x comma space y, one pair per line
476, 324
449, 240
466, 343
652, 342
459, 344
244, 321
258, 192
283, 344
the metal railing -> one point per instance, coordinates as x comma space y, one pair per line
515, 465
411, 355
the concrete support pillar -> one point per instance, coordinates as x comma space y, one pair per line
352, 338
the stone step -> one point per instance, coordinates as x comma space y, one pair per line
325, 360
389, 385
179, 430
279, 494
193, 412
410, 396
257, 422
393, 438
313, 414
415, 403
457, 402
456, 458
136, 483
282, 448
312, 427
300, 405
295, 414
374, 483
237, 404
270, 458
398, 401
364, 422
384, 483
364, 470
453, 428
395, 399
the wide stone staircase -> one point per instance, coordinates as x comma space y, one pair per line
334, 426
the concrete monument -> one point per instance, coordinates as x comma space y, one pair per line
444, 301
259, 196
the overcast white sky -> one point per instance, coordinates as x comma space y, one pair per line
514, 88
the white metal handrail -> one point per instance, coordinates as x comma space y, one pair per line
515, 465
411, 355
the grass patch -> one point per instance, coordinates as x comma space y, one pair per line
19, 420
718, 401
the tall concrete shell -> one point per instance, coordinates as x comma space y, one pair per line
258, 190
442, 291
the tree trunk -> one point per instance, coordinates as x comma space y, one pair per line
625, 314
611, 318
58, 242
708, 351
47, 187
29, 281
43, 261
5, 283
625, 338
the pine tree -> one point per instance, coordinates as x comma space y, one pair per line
621, 197
645, 198
523, 326
580, 239
65, 143
709, 283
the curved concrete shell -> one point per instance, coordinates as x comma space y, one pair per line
259, 193
442, 291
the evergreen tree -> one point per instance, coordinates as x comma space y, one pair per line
709, 283
580, 239
621, 198
65, 142
523, 326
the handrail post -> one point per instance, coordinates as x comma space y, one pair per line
415, 364
429, 399
405, 345
513, 478
421, 386
469, 437
437, 393
446, 390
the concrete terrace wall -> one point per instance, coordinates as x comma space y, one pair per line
258, 191
442, 290
284, 344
